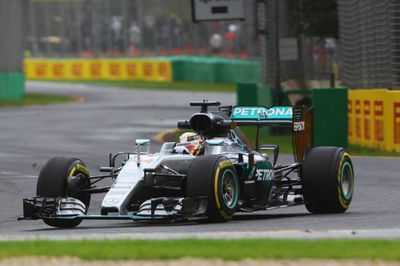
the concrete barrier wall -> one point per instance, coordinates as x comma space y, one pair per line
173, 68
374, 119
216, 69
330, 121
12, 85
98, 69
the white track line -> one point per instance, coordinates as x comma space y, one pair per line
282, 234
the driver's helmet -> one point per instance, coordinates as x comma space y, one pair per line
190, 143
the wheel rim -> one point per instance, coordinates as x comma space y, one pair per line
229, 189
347, 180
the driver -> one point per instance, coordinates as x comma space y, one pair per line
190, 143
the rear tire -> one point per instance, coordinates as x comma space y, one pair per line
214, 176
52, 182
328, 180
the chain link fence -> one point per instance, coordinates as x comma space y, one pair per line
370, 43
293, 61
130, 28
12, 25
108, 28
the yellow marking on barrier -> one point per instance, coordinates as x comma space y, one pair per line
374, 119
98, 69
57, 70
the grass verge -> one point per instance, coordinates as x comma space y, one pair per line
174, 85
202, 248
37, 99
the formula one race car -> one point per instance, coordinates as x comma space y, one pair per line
212, 172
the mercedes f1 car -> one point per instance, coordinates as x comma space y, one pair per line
211, 173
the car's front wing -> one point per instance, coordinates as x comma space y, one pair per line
153, 209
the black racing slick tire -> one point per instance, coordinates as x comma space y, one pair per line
52, 182
215, 177
328, 180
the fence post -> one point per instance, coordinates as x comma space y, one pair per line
12, 20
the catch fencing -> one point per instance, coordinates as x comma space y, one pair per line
370, 43
12, 25
293, 61
121, 28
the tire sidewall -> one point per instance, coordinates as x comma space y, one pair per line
204, 180
52, 182
322, 175
79, 167
345, 164
223, 168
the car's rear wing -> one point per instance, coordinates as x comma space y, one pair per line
303, 129
262, 116
299, 118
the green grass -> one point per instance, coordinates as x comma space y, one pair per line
37, 99
175, 85
224, 249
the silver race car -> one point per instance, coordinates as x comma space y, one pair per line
211, 172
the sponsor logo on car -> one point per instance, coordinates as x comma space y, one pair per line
261, 112
299, 126
264, 174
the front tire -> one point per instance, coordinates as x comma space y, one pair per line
215, 177
328, 180
52, 182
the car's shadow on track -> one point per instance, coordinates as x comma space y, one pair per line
247, 217
149, 224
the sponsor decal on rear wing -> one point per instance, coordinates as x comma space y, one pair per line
300, 118
262, 113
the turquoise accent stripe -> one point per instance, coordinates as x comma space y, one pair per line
350, 193
112, 217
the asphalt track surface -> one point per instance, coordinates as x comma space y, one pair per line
110, 119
